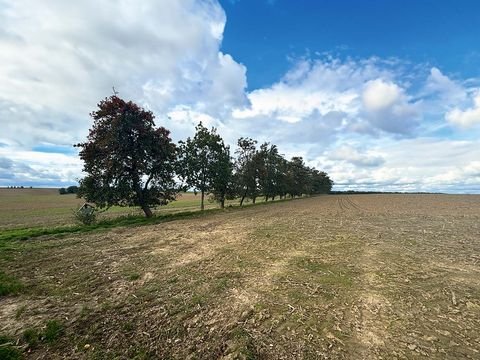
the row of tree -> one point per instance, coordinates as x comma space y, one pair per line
131, 162
69, 190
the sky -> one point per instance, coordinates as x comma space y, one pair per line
384, 95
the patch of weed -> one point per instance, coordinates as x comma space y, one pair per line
242, 346
53, 331
20, 311
131, 274
9, 285
7, 349
32, 337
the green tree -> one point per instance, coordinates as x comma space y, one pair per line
128, 160
321, 182
72, 189
247, 169
271, 171
298, 177
222, 176
205, 164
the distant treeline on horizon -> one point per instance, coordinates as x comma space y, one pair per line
354, 192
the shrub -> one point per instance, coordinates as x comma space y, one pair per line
85, 216
8, 284
32, 337
62, 191
53, 331
7, 349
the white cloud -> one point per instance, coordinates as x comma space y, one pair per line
448, 90
31, 168
379, 95
364, 91
466, 118
58, 60
357, 157
421, 164
363, 120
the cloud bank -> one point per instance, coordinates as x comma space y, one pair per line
371, 123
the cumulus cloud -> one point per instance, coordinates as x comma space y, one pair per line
30, 168
468, 117
379, 95
388, 108
364, 91
59, 59
447, 90
421, 164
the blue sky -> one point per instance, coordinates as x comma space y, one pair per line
383, 95
263, 34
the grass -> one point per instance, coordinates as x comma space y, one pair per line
34, 337
9, 285
46, 208
126, 220
53, 331
7, 349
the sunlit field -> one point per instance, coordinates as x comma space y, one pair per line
337, 277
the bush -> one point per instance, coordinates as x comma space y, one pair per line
7, 349
85, 216
62, 191
9, 285
53, 331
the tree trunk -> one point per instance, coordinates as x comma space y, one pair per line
253, 199
273, 198
202, 206
266, 198
243, 197
222, 203
147, 211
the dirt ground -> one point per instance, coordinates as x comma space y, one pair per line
329, 277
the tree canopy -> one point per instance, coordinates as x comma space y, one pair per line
128, 160
205, 165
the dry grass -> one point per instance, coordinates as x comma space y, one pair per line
337, 277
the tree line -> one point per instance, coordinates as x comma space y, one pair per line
129, 161
69, 190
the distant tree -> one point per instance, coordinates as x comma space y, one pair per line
62, 191
205, 164
72, 189
321, 182
298, 177
128, 160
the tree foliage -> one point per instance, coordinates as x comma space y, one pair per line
128, 160
205, 164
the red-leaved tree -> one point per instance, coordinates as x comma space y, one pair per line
128, 160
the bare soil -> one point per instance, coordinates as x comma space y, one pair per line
329, 277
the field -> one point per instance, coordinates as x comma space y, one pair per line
327, 277
20, 208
